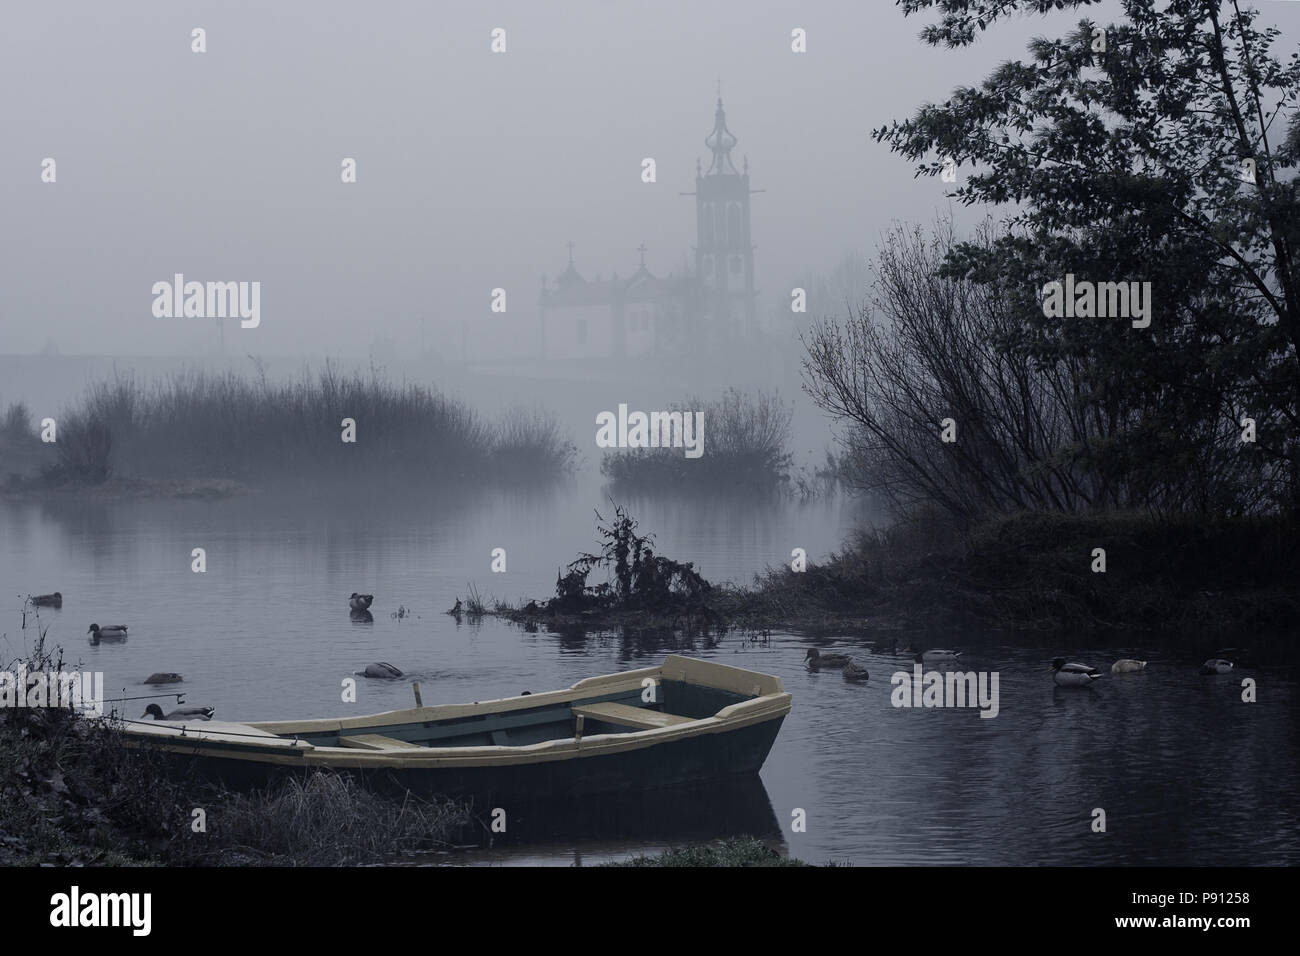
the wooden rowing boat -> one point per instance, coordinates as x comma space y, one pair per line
682, 723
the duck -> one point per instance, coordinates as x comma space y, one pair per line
361, 602
110, 632
164, 677
181, 713
383, 670
1127, 666
855, 672
1073, 675
1216, 665
47, 600
815, 659
455, 608
937, 657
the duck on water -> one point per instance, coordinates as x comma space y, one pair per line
815, 659
1073, 675
180, 713
938, 656
382, 670
109, 632
1217, 665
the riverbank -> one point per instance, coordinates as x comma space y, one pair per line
737, 851
72, 794
1023, 571
120, 489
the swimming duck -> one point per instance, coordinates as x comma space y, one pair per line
1073, 675
815, 659
110, 632
1127, 666
181, 713
47, 600
382, 669
1216, 665
855, 672
164, 677
361, 602
937, 657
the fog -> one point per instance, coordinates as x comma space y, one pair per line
474, 169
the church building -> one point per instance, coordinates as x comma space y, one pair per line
643, 314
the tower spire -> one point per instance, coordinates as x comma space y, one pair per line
720, 142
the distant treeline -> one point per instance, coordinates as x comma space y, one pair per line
202, 425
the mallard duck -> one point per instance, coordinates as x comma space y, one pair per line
47, 600
180, 713
1127, 666
110, 632
1216, 665
815, 659
382, 669
1073, 675
855, 672
937, 657
361, 602
164, 677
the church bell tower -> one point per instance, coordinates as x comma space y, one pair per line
724, 255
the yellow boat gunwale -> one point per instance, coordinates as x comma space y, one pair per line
266, 741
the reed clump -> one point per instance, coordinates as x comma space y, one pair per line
222, 426
745, 450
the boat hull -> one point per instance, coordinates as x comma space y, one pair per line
683, 724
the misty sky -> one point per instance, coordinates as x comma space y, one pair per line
474, 168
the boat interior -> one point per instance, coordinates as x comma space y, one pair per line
681, 691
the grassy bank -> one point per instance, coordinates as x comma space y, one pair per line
1028, 570
738, 851
72, 793
1032, 570
210, 426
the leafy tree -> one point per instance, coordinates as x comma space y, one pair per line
1160, 148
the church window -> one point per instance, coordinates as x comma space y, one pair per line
733, 222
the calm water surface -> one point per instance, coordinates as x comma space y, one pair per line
1186, 772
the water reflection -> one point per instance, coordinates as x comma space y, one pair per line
1186, 771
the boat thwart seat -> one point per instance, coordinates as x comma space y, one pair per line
376, 742
621, 714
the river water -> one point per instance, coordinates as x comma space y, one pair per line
1184, 770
